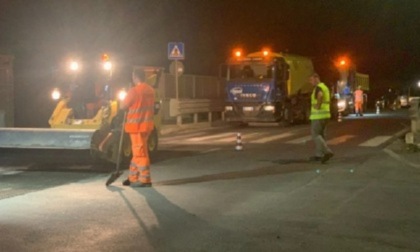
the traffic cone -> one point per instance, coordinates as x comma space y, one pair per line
340, 117
239, 145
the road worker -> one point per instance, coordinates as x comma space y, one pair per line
139, 105
320, 115
358, 101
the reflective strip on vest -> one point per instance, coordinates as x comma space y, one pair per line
140, 110
324, 111
141, 113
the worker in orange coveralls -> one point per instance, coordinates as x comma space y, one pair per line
139, 124
358, 101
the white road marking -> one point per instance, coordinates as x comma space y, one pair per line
301, 140
172, 138
376, 141
340, 139
243, 137
210, 150
400, 158
12, 170
273, 138
204, 138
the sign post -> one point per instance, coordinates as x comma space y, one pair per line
176, 52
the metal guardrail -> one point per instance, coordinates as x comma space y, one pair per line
199, 98
181, 107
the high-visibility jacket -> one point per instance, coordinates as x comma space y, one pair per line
324, 111
358, 96
140, 101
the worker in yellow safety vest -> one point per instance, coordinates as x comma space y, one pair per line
139, 124
320, 115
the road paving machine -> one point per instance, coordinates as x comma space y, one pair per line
87, 114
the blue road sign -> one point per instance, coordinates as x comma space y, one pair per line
176, 51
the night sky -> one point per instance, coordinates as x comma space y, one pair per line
380, 36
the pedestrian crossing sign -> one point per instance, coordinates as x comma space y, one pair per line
176, 51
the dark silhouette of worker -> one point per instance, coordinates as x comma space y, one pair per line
247, 72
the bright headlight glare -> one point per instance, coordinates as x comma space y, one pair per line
341, 104
107, 65
56, 94
121, 95
74, 66
228, 108
269, 108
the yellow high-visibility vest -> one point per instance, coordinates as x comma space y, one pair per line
324, 111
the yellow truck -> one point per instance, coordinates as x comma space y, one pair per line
267, 86
346, 86
87, 111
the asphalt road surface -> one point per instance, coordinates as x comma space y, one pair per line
206, 196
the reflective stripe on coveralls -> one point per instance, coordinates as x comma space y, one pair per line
141, 110
139, 166
324, 111
139, 125
358, 100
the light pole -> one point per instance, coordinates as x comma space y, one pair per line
410, 92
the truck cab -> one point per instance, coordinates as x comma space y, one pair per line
267, 87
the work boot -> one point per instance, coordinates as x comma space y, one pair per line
126, 182
315, 159
326, 157
138, 184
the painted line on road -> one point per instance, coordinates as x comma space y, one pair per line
339, 140
301, 140
243, 137
376, 141
184, 136
210, 150
199, 139
401, 159
273, 138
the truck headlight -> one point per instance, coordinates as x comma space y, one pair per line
74, 66
228, 108
269, 108
121, 95
107, 66
341, 104
56, 94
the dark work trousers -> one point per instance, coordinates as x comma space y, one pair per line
318, 131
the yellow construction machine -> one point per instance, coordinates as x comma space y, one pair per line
87, 115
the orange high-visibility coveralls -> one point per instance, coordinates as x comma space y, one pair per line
140, 101
358, 101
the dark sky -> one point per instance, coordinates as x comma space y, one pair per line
381, 36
